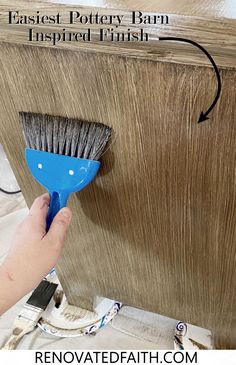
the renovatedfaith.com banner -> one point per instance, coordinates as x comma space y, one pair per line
201, 357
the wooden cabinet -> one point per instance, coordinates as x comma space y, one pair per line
157, 228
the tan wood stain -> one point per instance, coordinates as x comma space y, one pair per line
156, 229
218, 37
209, 8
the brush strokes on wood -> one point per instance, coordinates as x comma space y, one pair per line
210, 8
156, 229
207, 29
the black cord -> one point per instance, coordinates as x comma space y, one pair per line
10, 192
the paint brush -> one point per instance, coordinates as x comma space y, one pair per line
28, 318
62, 154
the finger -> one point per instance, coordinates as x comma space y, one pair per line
36, 220
57, 232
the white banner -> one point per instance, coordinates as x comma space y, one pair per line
216, 357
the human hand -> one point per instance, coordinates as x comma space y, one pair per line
34, 252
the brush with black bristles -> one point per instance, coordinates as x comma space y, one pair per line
28, 318
62, 154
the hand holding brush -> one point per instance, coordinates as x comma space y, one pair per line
62, 155
33, 252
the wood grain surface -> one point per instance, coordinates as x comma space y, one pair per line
210, 8
219, 37
156, 229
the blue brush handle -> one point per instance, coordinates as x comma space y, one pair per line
57, 201
60, 175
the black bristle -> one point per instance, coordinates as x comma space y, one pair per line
49, 134
72, 140
43, 134
42, 294
68, 133
65, 136
62, 135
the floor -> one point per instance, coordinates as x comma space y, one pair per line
130, 329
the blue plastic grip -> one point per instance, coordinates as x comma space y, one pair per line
60, 175
57, 201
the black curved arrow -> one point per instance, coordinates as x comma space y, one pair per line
203, 116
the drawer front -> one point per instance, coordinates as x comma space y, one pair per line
156, 229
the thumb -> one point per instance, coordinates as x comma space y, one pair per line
58, 228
